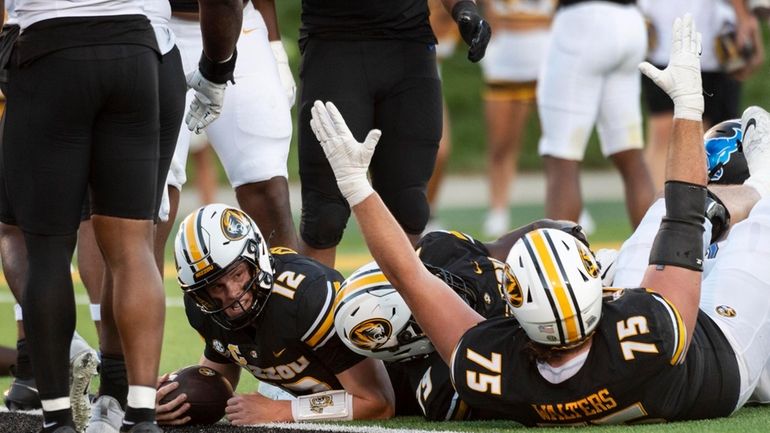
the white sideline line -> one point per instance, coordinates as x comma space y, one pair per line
81, 299
346, 428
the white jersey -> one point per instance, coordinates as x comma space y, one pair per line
159, 12
32, 11
10, 8
710, 18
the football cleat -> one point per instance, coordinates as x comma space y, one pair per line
106, 416
84, 362
22, 395
755, 123
145, 427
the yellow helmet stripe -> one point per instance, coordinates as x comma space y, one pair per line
192, 241
359, 284
558, 285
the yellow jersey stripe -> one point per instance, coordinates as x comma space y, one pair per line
680, 331
557, 284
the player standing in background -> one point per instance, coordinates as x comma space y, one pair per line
714, 18
599, 43
447, 36
377, 60
86, 144
513, 62
253, 132
270, 313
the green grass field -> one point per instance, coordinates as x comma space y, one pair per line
182, 346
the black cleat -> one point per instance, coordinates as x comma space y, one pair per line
22, 395
144, 427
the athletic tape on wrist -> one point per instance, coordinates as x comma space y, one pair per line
328, 406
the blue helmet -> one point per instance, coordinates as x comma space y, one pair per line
726, 162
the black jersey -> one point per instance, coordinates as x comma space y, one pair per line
635, 371
366, 20
293, 343
422, 385
468, 259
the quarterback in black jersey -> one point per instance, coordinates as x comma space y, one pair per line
573, 356
272, 314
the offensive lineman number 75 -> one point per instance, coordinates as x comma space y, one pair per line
483, 382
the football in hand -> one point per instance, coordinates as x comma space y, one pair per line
207, 393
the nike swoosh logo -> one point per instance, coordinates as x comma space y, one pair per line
247, 31
279, 353
49, 424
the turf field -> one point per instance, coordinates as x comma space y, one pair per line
182, 346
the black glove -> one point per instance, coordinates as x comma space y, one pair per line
474, 29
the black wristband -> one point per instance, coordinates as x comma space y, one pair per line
462, 8
679, 241
219, 73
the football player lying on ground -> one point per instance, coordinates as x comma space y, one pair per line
727, 171
572, 357
272, 314
372, 319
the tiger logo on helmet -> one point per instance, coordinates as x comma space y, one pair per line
558, 294
373, 320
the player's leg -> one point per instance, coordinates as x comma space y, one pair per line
410, 118
620, 117
324, 211
568, 105
734, 295
506, 120
442, 158
508, 99
123, 221
46, 172
253, 134
22, 394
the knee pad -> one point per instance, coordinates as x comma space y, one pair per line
410, 207
323, 220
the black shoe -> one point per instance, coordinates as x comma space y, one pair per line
144, 427
22, 395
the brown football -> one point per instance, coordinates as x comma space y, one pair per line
207, 392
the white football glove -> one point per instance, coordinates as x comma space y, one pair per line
348, 158
206, 105
284, 71
681, 79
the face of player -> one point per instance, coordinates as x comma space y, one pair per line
232, 290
